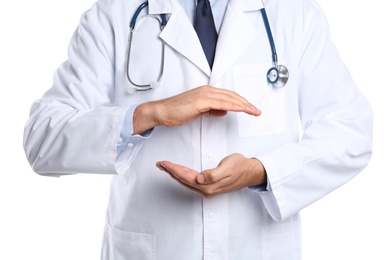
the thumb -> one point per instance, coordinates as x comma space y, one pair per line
200, 179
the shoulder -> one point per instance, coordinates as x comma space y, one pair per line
299, 15
107, 13
297, 7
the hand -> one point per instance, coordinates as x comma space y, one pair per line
188, 106
233, 172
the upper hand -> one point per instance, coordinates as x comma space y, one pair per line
188, 106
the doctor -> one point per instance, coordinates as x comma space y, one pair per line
211, 163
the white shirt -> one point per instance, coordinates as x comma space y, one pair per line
76, 126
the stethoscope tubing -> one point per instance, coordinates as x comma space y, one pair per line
133, 20
163, 22
270, 37
277, 75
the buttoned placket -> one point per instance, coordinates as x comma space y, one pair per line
215, 210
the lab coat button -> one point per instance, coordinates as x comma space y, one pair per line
120, 140
209, 154
211, 216
130, 145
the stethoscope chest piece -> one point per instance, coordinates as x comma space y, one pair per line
273, 75
277, 76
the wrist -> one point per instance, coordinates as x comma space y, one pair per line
144, 118
258, 173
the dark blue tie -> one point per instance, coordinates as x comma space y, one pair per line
205, 28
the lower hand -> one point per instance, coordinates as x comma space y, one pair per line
233, 172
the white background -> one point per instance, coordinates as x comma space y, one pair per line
62, 218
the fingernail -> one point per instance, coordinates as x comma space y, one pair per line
256, 110
160, 165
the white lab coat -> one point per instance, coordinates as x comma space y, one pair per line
75, 127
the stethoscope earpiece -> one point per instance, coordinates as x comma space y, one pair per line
155, 84
131, 90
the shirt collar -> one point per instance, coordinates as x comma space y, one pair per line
252, 5
161, 6
167, 6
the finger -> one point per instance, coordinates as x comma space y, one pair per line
179, 172
221, 104
214, 112
163, 166
224, 185
207, 190
193, 189
227, 100
230, 93
211, 176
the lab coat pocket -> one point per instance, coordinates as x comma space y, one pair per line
282, 241
250, 81
123, 245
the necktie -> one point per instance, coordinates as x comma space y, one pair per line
205, 28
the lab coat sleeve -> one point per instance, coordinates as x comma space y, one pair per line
75, 127
336, 121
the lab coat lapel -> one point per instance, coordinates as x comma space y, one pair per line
236, 34
180, 34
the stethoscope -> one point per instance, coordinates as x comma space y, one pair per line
154, 84
277, 75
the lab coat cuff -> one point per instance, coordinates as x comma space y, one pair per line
127, 126
128, 144
261, 188
270, 195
